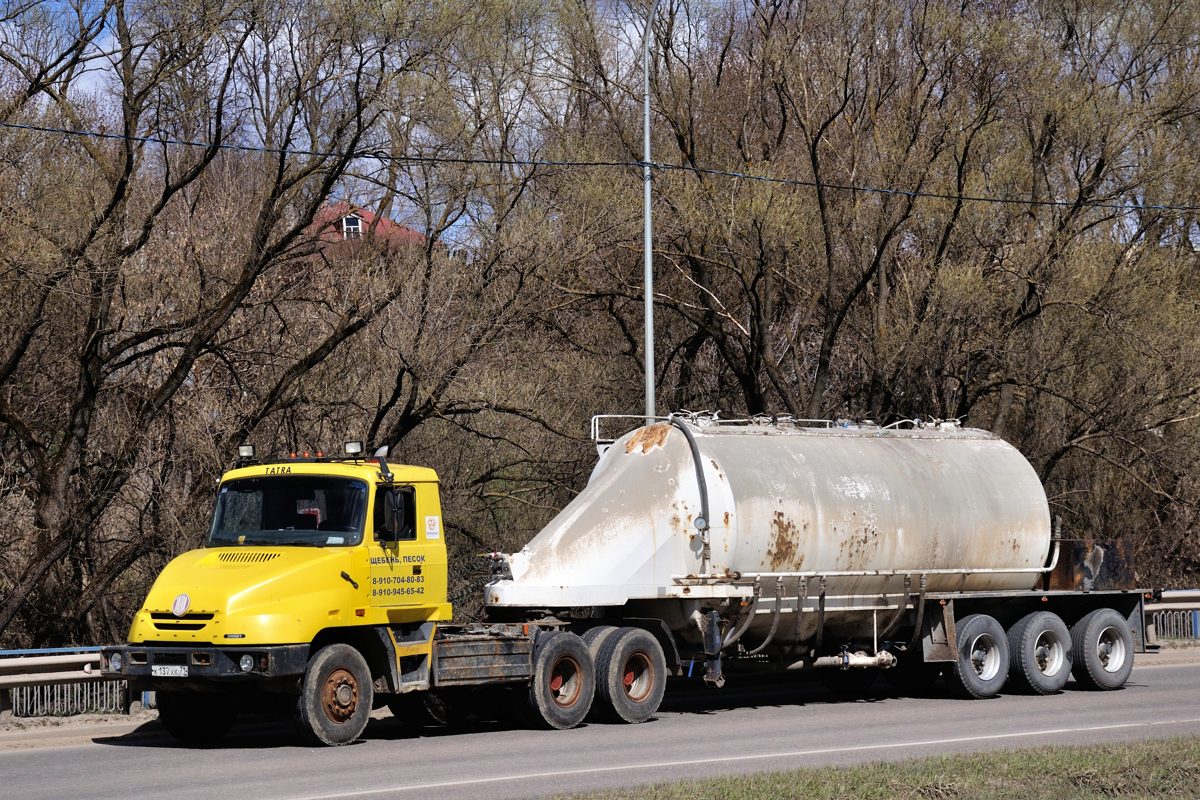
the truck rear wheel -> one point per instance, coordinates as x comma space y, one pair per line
564, 681
595, 638
1040, 648
196, 718
1103, 650
631, 675
982, 664
336, 696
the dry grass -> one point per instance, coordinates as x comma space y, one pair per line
1163, 768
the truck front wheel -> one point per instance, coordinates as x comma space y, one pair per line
336, 696
195, 718
564, 681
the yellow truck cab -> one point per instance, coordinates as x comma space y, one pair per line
322, 584
299, 548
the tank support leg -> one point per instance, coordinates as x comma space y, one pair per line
712, 649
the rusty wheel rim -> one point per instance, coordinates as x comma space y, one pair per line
637, 677
339, 695
566, 682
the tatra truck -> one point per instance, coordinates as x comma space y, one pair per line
701, 548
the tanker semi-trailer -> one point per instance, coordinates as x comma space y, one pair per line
700, 546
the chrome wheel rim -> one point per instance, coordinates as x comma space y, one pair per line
985, 656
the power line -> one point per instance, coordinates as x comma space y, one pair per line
380, 155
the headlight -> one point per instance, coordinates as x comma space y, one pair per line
246, 662
114, 662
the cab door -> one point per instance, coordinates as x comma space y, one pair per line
407, 551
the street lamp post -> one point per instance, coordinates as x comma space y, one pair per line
647, 228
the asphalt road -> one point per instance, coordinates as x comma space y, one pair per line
698, 733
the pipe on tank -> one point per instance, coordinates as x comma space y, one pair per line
774, 619
744, 625
900, 608
702, 484
863, 573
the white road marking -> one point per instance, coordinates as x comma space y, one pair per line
750, 757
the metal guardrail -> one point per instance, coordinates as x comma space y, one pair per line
1176, 615
48, 666
58, 682
69, 699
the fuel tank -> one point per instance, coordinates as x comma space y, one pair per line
859, 506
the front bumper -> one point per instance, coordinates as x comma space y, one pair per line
180, 666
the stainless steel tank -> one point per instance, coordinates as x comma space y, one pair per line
961, 506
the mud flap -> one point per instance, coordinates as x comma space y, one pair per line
939, 640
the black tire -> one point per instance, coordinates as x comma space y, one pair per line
1040, 650
564, 681
631, 675
595, 638
1103, 647
335, 697
982, 665
196, 718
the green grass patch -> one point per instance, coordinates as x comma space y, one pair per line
1159, 768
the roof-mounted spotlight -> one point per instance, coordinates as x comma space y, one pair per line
354, 449
246, 452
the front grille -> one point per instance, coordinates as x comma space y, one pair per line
188, 622
246, 558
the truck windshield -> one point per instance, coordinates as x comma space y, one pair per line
303, 510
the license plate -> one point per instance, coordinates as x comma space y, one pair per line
169, 670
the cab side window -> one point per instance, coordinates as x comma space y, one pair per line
395, 514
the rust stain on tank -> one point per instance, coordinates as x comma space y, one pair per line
726, 519
648, 438
717, 469
784, 542
860, 547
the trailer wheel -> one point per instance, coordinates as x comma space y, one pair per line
631, 675
1040, 648
335, 697
564, 681
982, 664
1103, 650
196, 718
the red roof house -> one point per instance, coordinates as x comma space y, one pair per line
341, 222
